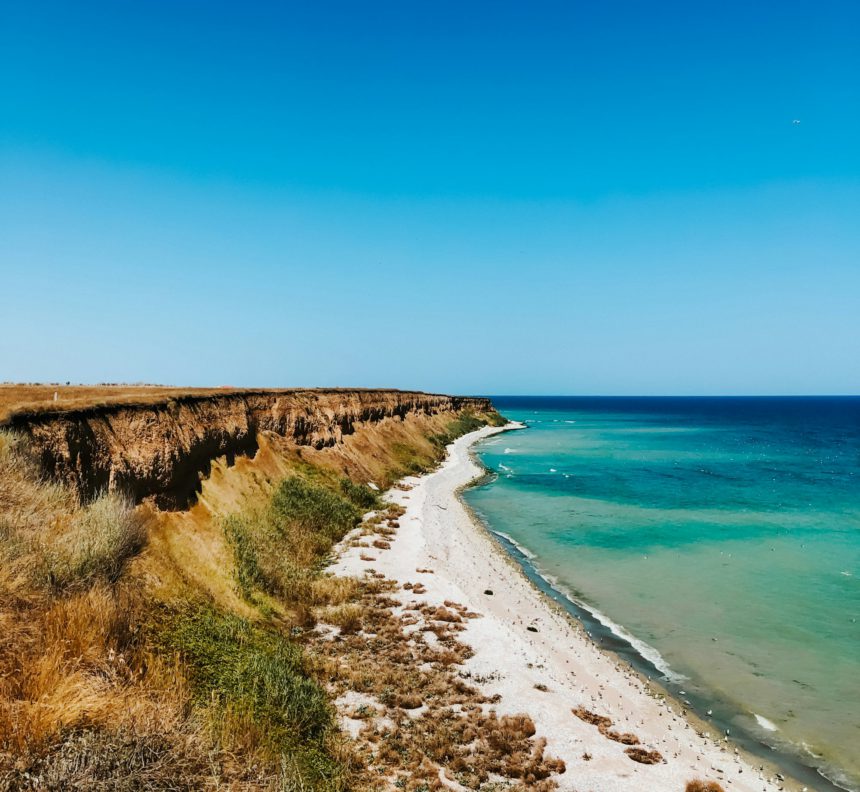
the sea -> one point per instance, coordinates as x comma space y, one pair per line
714, 543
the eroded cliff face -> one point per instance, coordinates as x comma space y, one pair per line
160, 450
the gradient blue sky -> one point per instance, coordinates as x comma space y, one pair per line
601, 197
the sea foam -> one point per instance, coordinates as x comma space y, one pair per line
524, 550
765, 723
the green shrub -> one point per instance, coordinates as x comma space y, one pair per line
245, 553
277, 550
313, 508
257, 676
360, 494
464, 423
265, 557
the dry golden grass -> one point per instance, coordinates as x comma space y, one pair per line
27, 504
37, 398
16, 398
89, 699
82, 702
347, 616
644, 755
48, 539
703, 786
333, 590
402, 673
85, 701
603, 726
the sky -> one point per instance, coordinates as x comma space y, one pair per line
484, 197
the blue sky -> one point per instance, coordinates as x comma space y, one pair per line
485, 197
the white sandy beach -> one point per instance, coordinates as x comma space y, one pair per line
437, 532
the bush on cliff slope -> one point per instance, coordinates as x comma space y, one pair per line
97, 545
101, 687
47, 539
251, 683
276, 549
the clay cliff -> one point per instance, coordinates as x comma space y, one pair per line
158, 450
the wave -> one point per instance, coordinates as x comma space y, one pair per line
509, 451
524, 550
836, 777
765, 723
802, 762
644, 650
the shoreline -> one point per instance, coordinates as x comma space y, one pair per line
652, 668
537, 657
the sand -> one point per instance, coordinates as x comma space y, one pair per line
437, 532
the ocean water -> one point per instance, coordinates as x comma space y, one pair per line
720, 535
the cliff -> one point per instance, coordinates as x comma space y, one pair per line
158, 449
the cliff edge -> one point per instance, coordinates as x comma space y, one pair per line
158, 449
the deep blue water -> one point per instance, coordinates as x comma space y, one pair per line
724, 533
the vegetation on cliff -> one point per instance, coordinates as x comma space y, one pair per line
142, 649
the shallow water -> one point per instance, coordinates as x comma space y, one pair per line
722, 533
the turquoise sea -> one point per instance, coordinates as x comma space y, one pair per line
714, 542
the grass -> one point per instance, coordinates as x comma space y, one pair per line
103, 686
251, 680
197, 698
359, 494
463, 424
412, 459
81, 701
121, 761
347, 616
48, 539
84, 705
278, 549
703, 786
401, 672
308, 507
102, 537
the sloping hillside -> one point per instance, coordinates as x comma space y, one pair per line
163, 571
